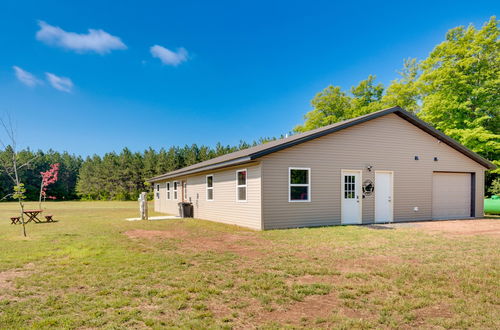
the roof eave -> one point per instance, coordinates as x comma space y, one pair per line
396, 110
324, 132
233, 162
400, 112
445, 138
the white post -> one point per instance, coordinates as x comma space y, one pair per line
143, 206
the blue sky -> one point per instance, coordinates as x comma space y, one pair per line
162, 73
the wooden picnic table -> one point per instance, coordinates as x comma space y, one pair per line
32, 215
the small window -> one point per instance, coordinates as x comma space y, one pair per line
349, 186
157, 191
184, 190
241, 185
175, 189
210, 187
168, 190
299, 185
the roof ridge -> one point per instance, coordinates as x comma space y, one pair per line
283, 143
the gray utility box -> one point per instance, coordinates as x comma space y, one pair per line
185, 210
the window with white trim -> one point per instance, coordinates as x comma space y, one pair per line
176, 183
168, 190
184, 190
157, 191
299, 188
241, 185
349, 186
210, 187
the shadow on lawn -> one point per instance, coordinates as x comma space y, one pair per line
46, 222
379, 227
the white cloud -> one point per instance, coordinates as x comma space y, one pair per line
97, 41
169, 57
26, 77
60, 83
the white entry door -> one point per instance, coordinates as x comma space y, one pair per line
351, 197
383, 197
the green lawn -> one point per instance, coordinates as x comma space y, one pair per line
93, 269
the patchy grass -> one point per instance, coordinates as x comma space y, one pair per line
93, 269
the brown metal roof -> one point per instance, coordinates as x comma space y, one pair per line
250, 154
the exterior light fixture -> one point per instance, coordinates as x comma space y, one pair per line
416, 158
369, 168
436, 159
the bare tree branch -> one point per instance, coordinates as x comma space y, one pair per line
4, 146
18, 186
28, 162
6, 196
9, 130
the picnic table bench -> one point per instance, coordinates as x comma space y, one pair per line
32, 216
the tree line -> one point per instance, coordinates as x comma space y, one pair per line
113, 176
122, 176
456, 89
39, 161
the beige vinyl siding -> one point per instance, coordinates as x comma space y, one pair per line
164, 205
157, 195
224, 207
386, 143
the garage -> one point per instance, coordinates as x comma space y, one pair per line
451, 195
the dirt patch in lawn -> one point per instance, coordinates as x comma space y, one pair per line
7, 277
310, 309
368, 263
487, 227
441, 311
312, 279
154, 234
244, 244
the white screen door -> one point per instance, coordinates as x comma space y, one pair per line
351, 197
383, 197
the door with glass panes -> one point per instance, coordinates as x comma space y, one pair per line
351, 197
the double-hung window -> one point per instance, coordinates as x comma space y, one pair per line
168, 190
241, 185
210, 187
175, 189
184, 190
299, 187
157, 191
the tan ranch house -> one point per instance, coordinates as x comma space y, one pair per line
387, 166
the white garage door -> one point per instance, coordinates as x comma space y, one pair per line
451, 195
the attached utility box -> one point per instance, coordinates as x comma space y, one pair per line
185, 210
